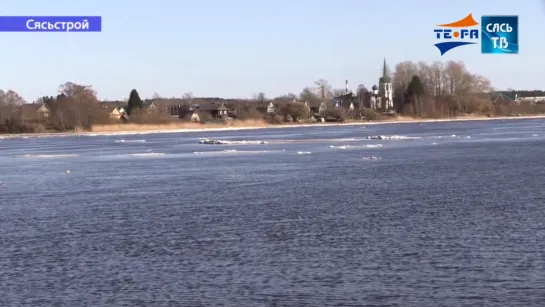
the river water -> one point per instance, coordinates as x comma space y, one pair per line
452, 215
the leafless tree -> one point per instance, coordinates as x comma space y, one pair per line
260, 96
10, 112
363, 95
77, 107
11, 98
324, 89
449, 88
294, 110
338, 92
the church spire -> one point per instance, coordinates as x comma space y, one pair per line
385, 69
386, 78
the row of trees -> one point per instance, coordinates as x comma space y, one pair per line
76, 107
439, 90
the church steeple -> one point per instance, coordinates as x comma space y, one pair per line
385, 69
386, 77
385, 89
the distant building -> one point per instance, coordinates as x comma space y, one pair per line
32, 113
345, 100
385, 89
381, 97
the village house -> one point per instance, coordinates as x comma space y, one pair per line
175, 107
35, 112
274, 105
211, 110
118, 113
270, 108
512, 97
150, 106
114, 109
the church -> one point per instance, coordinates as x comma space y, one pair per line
380, 97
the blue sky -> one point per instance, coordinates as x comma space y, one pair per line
239, 47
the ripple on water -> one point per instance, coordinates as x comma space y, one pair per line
460, 224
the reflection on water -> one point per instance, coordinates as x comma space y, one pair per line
441, 220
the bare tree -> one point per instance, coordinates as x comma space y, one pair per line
449, 89
338, 92
308, 95
5, 111
11, 111
325, 89
402, 76
260, 96
77, 107
12, 98
294, 110
363, 95
188, 97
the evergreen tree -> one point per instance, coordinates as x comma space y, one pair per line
134, 101
415, 91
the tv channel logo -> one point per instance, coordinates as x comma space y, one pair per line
500, 34
456, 34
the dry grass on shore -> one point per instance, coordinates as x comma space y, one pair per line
176, 126
249, 124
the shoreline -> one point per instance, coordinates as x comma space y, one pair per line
271, 126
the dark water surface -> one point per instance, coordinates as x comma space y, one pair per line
455, 217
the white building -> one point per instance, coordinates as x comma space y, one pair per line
381, 97
385, 89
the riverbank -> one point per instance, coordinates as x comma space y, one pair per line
128, 129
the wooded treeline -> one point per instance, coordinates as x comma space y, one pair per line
443, 90
437, 90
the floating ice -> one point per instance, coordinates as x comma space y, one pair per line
392, 137
303, 152
147, 154
229, 151
372, 158
130, 141
356, 146
50, 156
345, 140
227, 142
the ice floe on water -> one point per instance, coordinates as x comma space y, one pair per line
304, 152
448, 136
392, 137
372, 158
50, 156
228, 142
535, 134
356, 146
147, 154
130, 141
345, 140
230, 151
